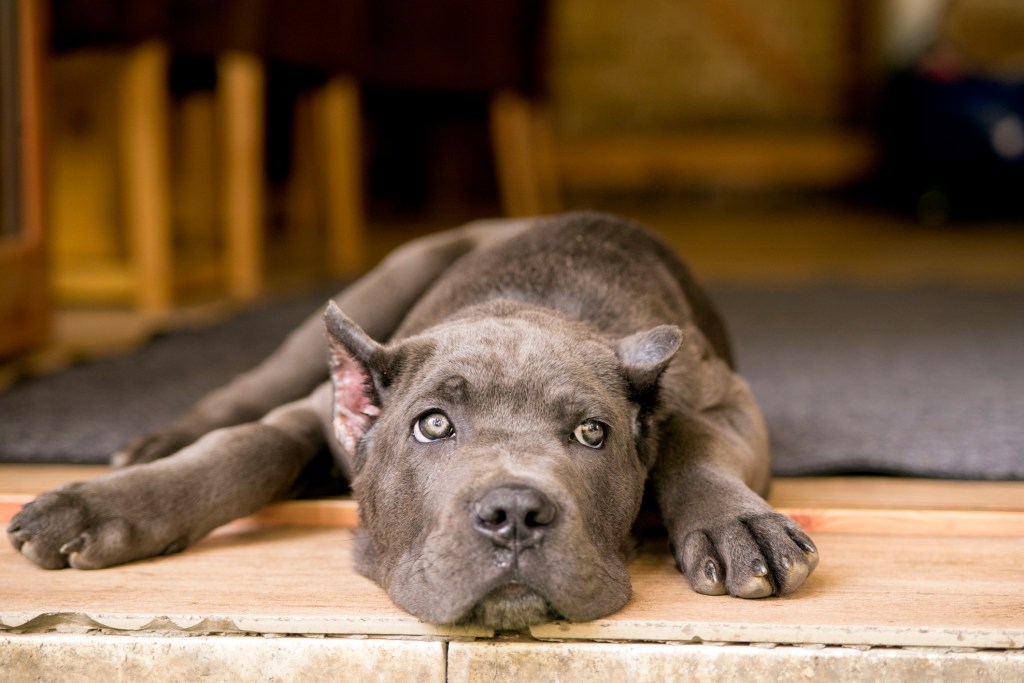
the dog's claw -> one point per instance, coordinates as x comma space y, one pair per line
75, 546
806, 545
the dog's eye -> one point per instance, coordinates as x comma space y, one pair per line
590, 433
432, 427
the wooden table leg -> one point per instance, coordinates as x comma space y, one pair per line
143, 145
240, 90
338, 124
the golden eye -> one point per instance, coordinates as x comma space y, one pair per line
432, 426
590, 433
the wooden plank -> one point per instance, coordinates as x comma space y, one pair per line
877, 588
897, 492
34, 479
271, 580
335, 512
898, 591
905, 591
332, 512
889, 522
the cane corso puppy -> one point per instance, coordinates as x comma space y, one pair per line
499, 397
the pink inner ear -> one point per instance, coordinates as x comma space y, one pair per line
353, 409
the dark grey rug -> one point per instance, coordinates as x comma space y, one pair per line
924, 381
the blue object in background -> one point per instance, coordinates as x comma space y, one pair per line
953, 145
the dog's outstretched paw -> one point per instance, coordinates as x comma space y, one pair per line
150, 447
748, 557
59, 529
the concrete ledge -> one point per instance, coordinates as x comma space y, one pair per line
496, 662
74, 657
78, 657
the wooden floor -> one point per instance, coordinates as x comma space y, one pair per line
951, 551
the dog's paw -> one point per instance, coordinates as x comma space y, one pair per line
151, 447
748, 557
62, 528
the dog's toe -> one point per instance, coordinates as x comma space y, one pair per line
753, 581
789, 552
42, 527
701, 565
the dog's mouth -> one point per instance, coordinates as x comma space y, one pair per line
510, 607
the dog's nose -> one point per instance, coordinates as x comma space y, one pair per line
513, 516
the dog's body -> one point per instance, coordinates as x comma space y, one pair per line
538, 375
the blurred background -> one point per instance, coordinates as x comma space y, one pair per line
169, 159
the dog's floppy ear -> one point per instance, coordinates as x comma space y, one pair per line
645, 355
358, 366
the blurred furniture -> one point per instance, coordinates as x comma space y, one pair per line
447, 46
24, 300
821, 144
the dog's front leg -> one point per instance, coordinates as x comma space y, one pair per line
164, 506
725, 537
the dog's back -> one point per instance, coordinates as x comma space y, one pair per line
600, 269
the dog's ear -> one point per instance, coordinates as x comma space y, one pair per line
645, 355
359, 367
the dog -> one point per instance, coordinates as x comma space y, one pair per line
502, 399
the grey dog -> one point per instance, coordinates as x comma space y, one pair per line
537, 377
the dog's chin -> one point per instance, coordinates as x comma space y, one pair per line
510, 608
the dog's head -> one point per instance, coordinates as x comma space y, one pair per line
499, 461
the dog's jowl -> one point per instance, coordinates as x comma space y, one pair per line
499, 397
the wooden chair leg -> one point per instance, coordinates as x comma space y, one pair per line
523, 156
143, 141
240, 89
338, 124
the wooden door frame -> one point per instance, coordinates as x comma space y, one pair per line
24, 295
